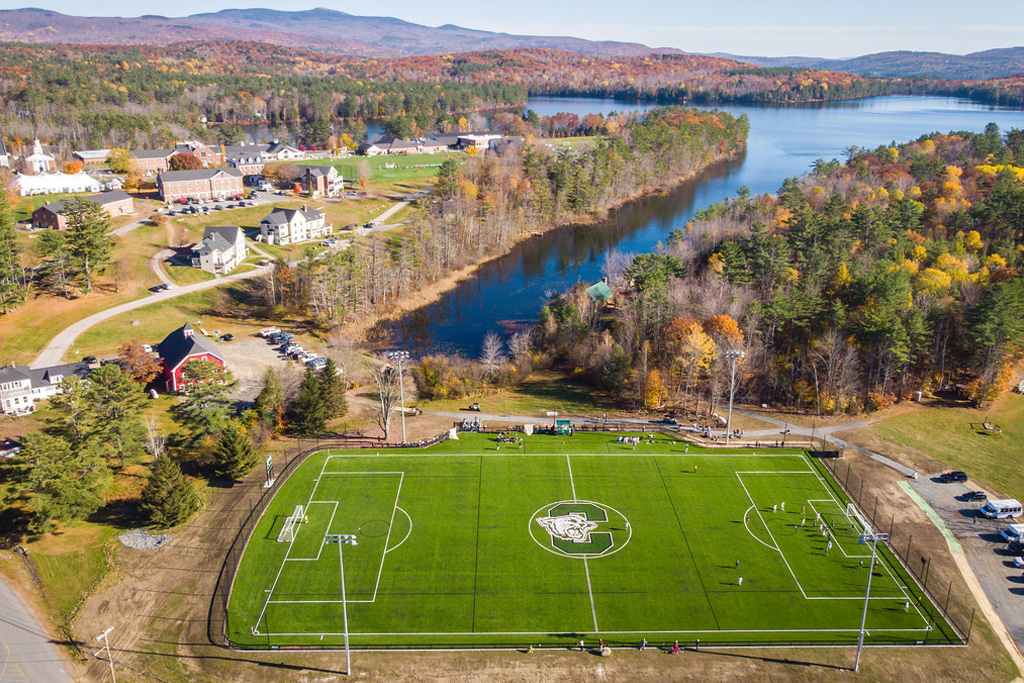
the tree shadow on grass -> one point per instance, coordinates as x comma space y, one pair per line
119, 515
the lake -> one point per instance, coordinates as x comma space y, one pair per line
508, 292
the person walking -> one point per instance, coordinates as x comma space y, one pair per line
737, 563
739, 582
643, 644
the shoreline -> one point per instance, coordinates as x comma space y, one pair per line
360, 330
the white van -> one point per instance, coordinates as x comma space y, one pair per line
1014, 532
999, 509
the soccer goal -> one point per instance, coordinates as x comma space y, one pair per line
287, 534
853, 513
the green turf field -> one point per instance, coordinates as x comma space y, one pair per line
567, 538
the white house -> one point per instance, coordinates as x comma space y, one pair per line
221, 250
287, 226
50, 183
279, 151
21, 386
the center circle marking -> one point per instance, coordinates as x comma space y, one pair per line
580, 529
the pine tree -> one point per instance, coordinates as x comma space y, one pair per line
308, 413
12, 281
168, 499
89, 239
235, 455
270, 397
332, 391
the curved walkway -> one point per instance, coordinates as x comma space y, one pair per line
58, 347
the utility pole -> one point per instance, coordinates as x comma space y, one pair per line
873, 539
400, 356
733, 355
106, 646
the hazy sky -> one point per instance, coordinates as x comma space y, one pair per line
750, 27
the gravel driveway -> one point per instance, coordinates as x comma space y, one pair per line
984, 548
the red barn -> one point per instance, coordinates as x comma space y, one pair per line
180, 347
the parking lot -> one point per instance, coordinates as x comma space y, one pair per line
985, 549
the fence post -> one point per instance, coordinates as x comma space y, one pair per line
860, 491
909, 543
970, 626
945, 605
892, 520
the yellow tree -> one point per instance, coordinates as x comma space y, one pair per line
696, 353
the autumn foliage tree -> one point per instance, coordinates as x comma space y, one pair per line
141, 365
183, 161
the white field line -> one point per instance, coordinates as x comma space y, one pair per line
586, 567
323, 541
407, 534
391, 526
772, 536
883, 562
745, 515
288, 552
556, 632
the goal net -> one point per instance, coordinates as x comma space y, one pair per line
288, 530
858, 519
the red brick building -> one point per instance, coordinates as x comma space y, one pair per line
115, 203
206, 183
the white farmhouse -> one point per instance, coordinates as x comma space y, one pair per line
21, 386
221, 250
287, 226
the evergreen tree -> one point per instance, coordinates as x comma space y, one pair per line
308, 413
269, 400
115, 402
204, 407
12, 280
235, 455
168, 499
89, 239
62, 483
332, 391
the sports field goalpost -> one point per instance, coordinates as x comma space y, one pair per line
854, 513
287, 534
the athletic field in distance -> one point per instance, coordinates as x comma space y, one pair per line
568, 538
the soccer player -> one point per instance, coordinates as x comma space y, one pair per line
739, 582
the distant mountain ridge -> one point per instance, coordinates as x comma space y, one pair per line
997, 63
322, 30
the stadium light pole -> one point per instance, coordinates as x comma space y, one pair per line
343, 539
733, 355
873, 539
400, 356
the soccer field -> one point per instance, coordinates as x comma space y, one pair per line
568, 538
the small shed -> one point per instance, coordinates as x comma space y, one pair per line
563, 427
600, 291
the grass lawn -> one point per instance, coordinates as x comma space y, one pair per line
69, 563
290, 252
355, 212
955, 437
411, 173
463, 545
186, 275
541, 392
26, 330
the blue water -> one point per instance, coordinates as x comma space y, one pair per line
784, 142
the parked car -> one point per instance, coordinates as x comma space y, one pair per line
1015, 548
228, 337
147, 348
973, 496
89, 360
951, 477
1018, 562
269, 331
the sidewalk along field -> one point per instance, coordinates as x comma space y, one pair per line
475, 543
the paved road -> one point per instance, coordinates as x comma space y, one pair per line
984, 548
60, 344
27, 655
